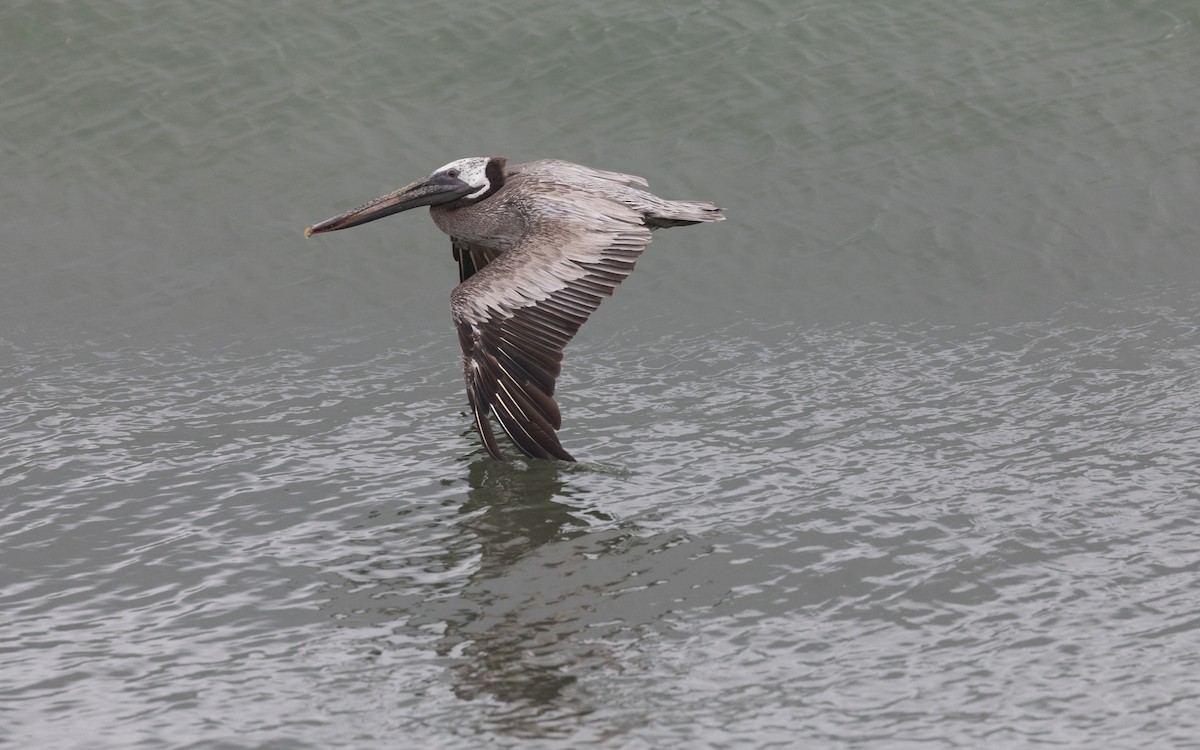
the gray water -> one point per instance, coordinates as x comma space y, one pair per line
905, 454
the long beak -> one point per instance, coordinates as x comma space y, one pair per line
430, 191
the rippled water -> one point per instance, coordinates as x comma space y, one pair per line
904, 454
851, 535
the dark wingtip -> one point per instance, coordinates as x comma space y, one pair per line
489, 440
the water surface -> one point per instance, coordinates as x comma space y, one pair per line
901, 455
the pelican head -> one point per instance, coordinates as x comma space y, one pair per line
466, 181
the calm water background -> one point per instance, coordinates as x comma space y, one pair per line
904, 454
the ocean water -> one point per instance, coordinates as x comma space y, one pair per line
903, 454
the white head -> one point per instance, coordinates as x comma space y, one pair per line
484, 173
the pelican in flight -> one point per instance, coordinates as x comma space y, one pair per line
539, 246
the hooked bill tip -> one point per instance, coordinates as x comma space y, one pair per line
308, 232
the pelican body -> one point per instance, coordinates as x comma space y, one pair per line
539, 246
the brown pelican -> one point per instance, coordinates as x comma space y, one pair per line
539, 246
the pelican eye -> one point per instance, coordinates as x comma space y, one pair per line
452, 173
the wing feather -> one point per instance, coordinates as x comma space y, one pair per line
517, 313
471, 257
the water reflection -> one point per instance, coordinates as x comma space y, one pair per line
512, 509
511, 631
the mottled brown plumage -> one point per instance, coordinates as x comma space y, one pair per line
538, 246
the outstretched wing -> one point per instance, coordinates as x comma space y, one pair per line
517, 314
